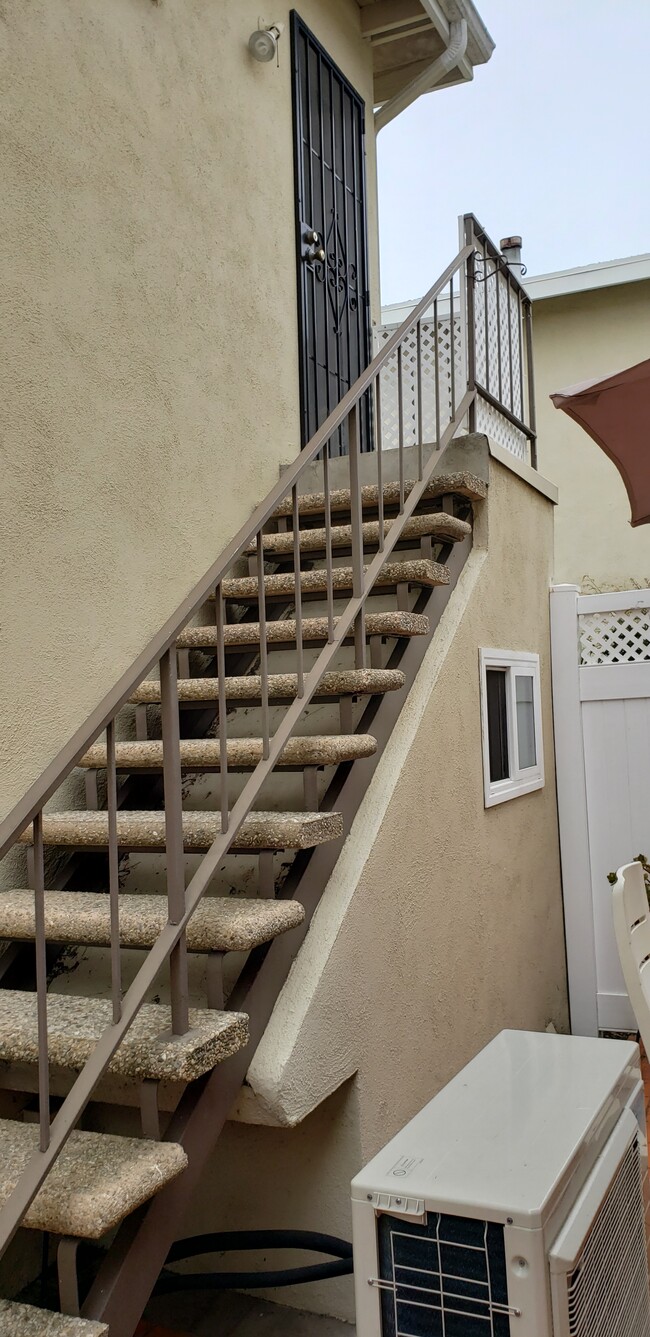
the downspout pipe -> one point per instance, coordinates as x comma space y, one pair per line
427, 80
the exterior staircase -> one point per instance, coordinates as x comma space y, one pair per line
221, 778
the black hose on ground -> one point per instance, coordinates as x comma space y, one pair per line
229, 1241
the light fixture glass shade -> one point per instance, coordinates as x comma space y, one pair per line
262, 44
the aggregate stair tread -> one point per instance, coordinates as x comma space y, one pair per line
439, 526
241, 753
146, 830
462, 483
281, 686
219, 923
18, 1320
149, 1050
282, 585
98, 1180
314, 629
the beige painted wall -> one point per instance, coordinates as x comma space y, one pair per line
452, 931
578, 338
148, 337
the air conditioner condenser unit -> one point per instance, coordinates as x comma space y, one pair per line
513, 1205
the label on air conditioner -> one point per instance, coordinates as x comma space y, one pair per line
405, 1167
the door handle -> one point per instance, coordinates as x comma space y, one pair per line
312, 248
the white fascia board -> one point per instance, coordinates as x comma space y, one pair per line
586, 278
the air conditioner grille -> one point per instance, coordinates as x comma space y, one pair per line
607, 1291
444, 1278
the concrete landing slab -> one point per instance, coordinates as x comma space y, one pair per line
233, 1315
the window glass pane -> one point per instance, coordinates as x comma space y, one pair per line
497, 718
525, 721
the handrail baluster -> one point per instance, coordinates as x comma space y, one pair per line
41, 984
113, 873
222, 722
356, 517
175, 856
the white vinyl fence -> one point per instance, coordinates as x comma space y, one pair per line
601, 702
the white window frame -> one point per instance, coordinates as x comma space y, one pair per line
520, 780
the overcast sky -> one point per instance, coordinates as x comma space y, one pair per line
551, 140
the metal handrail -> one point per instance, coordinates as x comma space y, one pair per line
182, 901
47, 784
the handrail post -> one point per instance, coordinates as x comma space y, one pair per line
528, 312
264, 655
41, 983
470, 269
222, 722
356, 518
113, 873
174, 836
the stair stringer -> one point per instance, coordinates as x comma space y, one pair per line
309, 1047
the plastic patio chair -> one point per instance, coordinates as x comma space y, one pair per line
632, 929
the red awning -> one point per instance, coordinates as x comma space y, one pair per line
616, 414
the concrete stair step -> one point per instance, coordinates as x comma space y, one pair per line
282, 686
462, 484
18, 1320
281, 634
203, 754
282, 585
146, 830
219, 923
97, 1181
148, 1051
440, 527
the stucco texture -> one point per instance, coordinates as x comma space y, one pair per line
453, 927
149, 330
579, 338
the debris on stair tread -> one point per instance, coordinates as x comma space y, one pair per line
307, 750
98, 1179
149, 1050
283, 631
462, 483
281, 686
219, 923
438, 525
421, 571
146, 830
18, 1320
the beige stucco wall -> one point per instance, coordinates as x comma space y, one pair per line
148, 337
578, 338
450, 930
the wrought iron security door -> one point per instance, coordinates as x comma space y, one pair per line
333, 299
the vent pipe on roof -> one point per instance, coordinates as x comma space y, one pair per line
510, 248
427, 80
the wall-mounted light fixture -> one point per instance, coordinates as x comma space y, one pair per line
263, 43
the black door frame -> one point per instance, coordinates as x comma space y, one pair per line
345, 291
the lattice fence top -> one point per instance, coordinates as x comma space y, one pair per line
441, 350
621, 637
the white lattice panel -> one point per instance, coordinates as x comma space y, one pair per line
493, 423
621, 637
436, 347
499, 365
498, 368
